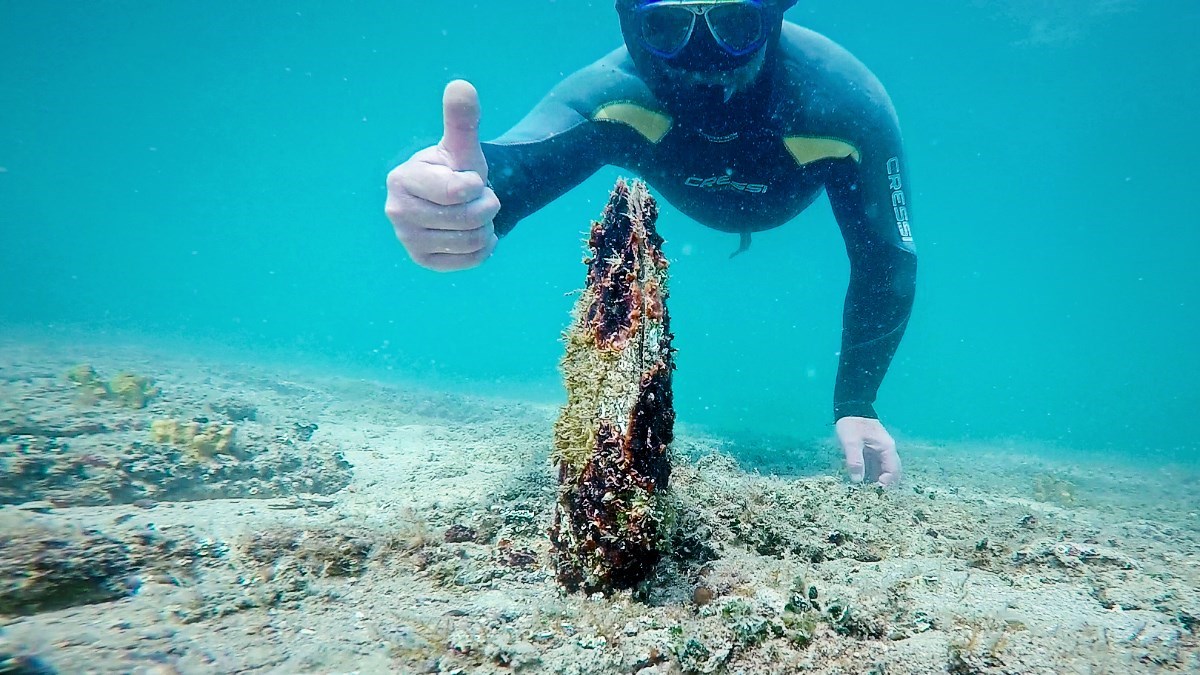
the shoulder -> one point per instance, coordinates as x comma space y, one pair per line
822, 83
611, 79
610, 92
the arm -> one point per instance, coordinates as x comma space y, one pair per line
445, 201
553, 149
871, 201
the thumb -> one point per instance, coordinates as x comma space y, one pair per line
460, 138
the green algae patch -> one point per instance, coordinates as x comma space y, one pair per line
126, 389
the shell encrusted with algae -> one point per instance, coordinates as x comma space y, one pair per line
613, 434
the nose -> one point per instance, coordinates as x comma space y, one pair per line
702, 54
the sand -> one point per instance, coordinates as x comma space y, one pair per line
354, 526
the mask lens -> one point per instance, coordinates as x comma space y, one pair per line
666, 29
737, 26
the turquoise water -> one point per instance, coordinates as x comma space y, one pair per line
214, 172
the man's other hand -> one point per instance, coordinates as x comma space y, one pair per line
439, 201
870, 450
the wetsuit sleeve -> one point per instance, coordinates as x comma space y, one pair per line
553, 149
871, 201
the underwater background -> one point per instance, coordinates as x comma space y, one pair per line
212, 175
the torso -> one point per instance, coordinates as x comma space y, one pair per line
745, 184
775, 160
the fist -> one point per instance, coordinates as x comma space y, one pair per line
439, 201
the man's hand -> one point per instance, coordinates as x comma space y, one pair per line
870, 450
438, 201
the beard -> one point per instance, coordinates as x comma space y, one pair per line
718, 85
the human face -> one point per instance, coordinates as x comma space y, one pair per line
737, 26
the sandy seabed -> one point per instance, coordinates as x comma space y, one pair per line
358, 527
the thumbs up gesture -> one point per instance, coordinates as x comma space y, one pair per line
439, 201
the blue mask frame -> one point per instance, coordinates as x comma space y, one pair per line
738, 26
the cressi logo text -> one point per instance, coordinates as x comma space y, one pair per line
725, 183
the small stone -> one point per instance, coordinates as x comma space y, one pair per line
596, 642
518, 557
457, 534
702, 595
305, 432
145, 503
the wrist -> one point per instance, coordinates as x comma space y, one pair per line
853, 409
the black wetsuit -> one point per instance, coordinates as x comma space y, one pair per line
814, 119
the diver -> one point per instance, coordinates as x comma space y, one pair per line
736, 117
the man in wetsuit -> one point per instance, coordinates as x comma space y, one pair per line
738, 119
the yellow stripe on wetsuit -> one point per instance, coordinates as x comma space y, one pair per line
809, 149
650, 124
654, 125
